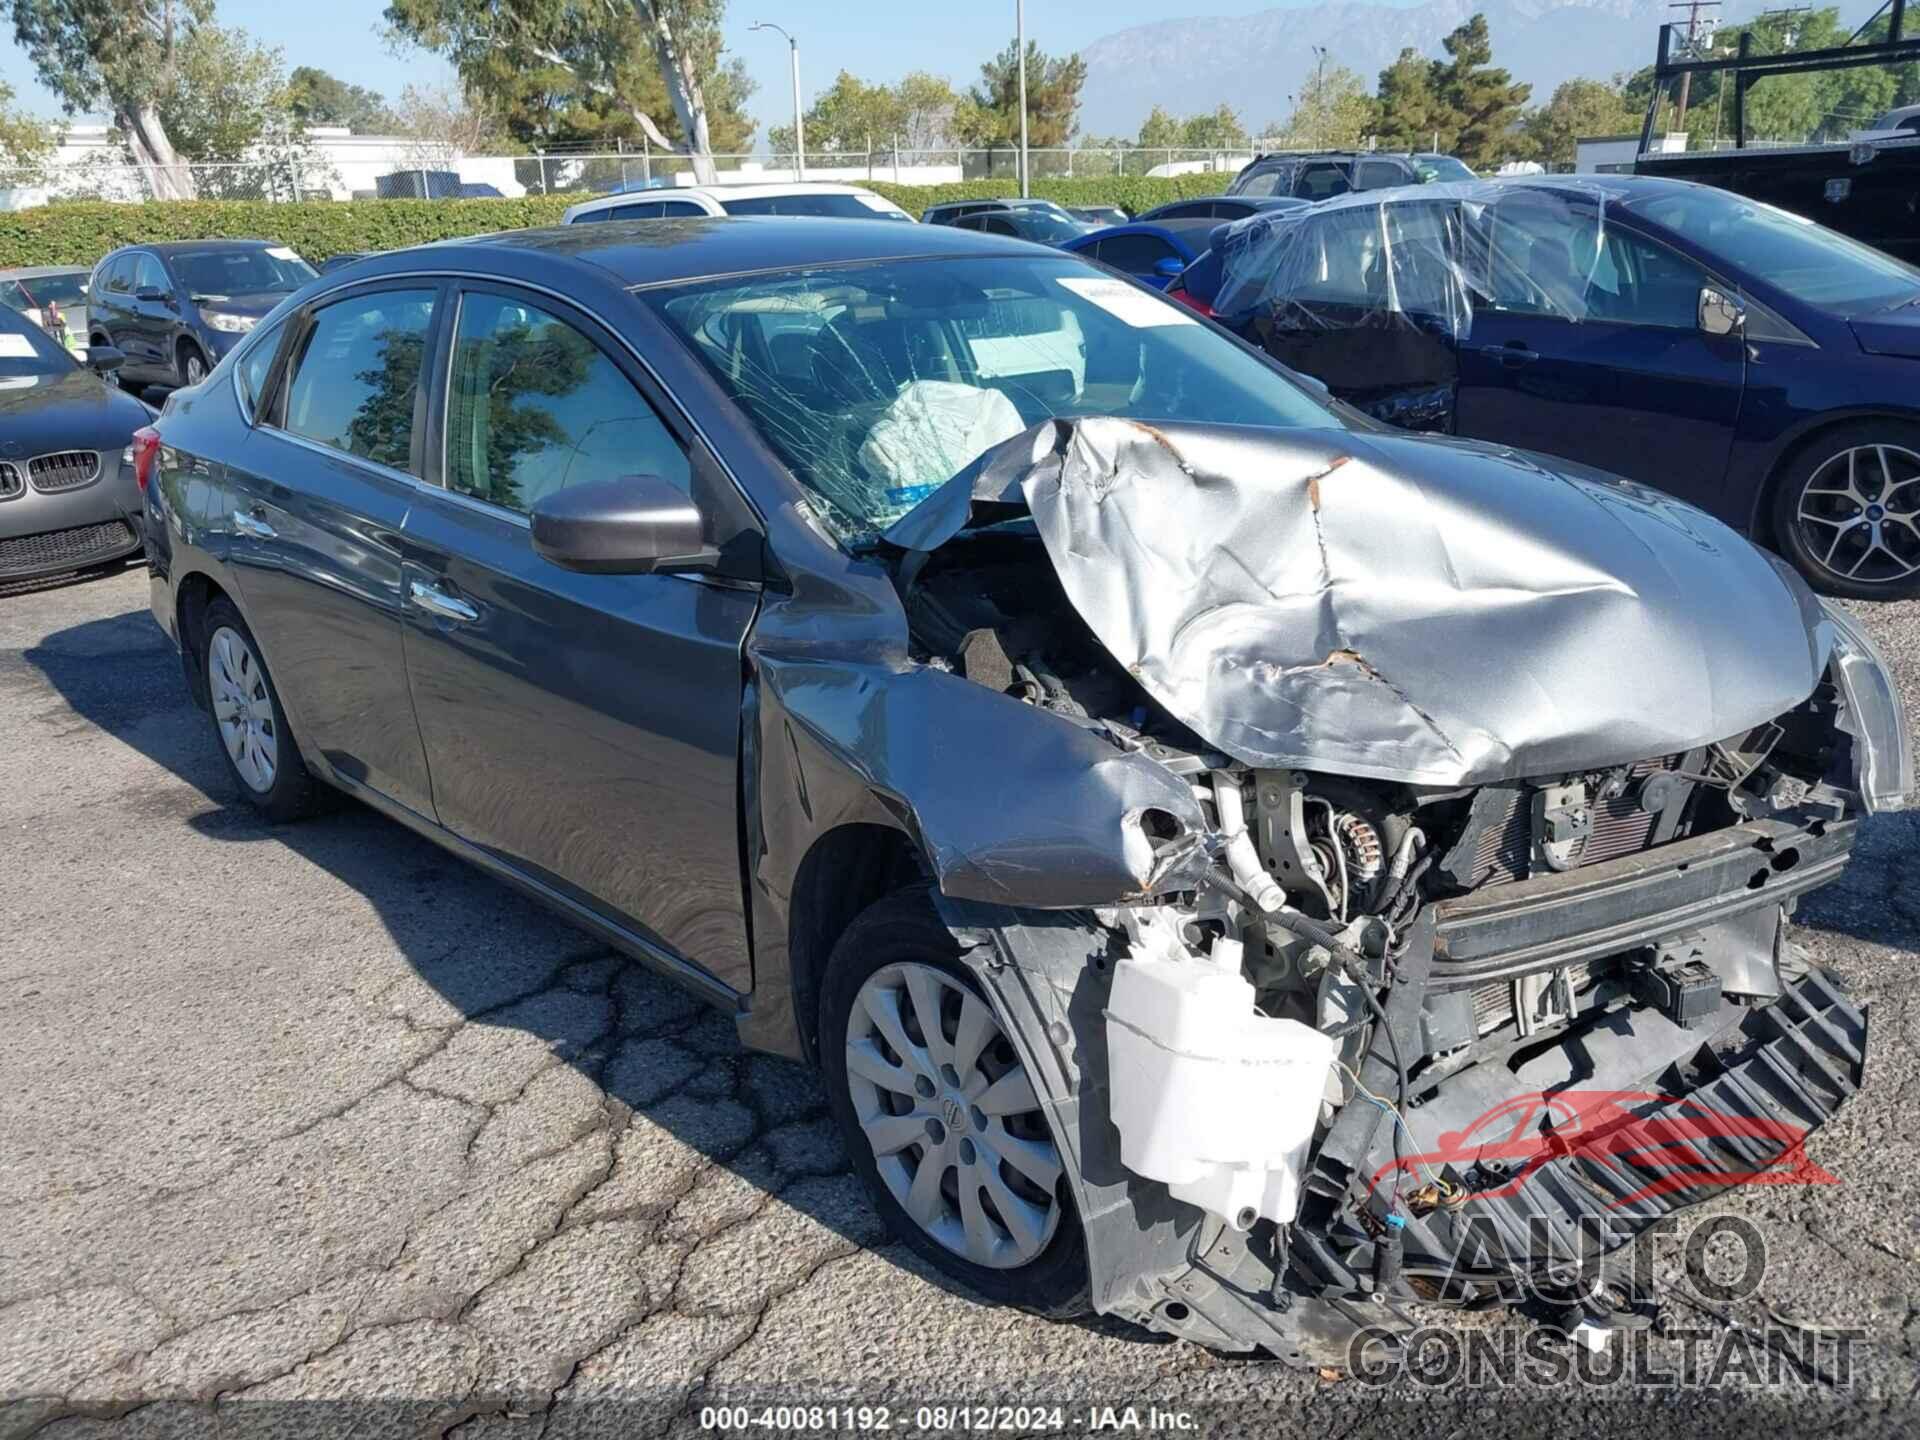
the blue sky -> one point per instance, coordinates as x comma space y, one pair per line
876, 39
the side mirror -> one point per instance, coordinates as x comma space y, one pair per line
1168, 267
636, 525
152, 293
105, 358
1720, 313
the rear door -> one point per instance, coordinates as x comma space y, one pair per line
583, 728
314, 515
155, 312
111, 303
1590, 348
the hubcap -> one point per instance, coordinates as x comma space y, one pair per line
1860, 514
955, 1126
242, 708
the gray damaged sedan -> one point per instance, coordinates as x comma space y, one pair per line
1236, 867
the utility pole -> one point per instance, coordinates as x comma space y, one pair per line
1020, 58
1693, 9
799, 125
1319, 94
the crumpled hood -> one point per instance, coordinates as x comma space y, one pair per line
1398, 606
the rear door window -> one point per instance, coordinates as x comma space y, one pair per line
253, 370
356, 385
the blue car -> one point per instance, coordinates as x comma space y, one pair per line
1152, 254
1743, 358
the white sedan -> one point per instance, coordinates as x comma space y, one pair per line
843, 201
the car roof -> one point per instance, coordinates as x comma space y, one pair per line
655, 252
176, 247
766, 191
1185, 234
29, 272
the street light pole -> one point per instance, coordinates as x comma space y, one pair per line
799, 125
1020, 59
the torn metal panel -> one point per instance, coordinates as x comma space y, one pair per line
1416, 610
1009, 804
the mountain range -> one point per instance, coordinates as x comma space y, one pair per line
1255, 63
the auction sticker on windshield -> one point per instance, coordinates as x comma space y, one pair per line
1126, 301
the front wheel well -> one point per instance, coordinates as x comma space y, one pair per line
845, 871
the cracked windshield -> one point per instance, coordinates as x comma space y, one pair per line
878, 383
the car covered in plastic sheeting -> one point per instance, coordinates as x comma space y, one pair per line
1171, 810
1745, 359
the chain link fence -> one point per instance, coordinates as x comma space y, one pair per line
367, 168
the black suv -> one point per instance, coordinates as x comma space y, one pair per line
1319, 174
176, 309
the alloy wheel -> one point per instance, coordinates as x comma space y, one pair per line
1859, 514
195, 367
951, 1115
243, 708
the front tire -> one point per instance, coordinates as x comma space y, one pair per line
940, 1117
248, 722
1847, 511
190, 364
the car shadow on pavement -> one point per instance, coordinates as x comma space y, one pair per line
666, 1067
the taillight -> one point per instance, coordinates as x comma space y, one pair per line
1190, 300
146, 448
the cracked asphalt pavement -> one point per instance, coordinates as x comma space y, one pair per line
315, 1129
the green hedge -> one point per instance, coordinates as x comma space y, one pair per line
80, 233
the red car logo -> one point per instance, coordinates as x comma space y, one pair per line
1652, 1144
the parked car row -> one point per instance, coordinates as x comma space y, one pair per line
1741, 358
1168, 806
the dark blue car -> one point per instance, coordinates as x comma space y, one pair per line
1743, 358
1153, 254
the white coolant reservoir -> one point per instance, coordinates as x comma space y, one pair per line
1211, 1098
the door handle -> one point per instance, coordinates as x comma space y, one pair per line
438, 603
253, 525
1512, 353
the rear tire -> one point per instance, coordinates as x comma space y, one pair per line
944, 1128
248, 721
1846, 511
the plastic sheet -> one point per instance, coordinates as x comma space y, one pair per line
1434, 253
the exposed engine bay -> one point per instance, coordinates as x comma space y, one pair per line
1353, 973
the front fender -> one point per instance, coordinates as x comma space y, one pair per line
1009, 804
